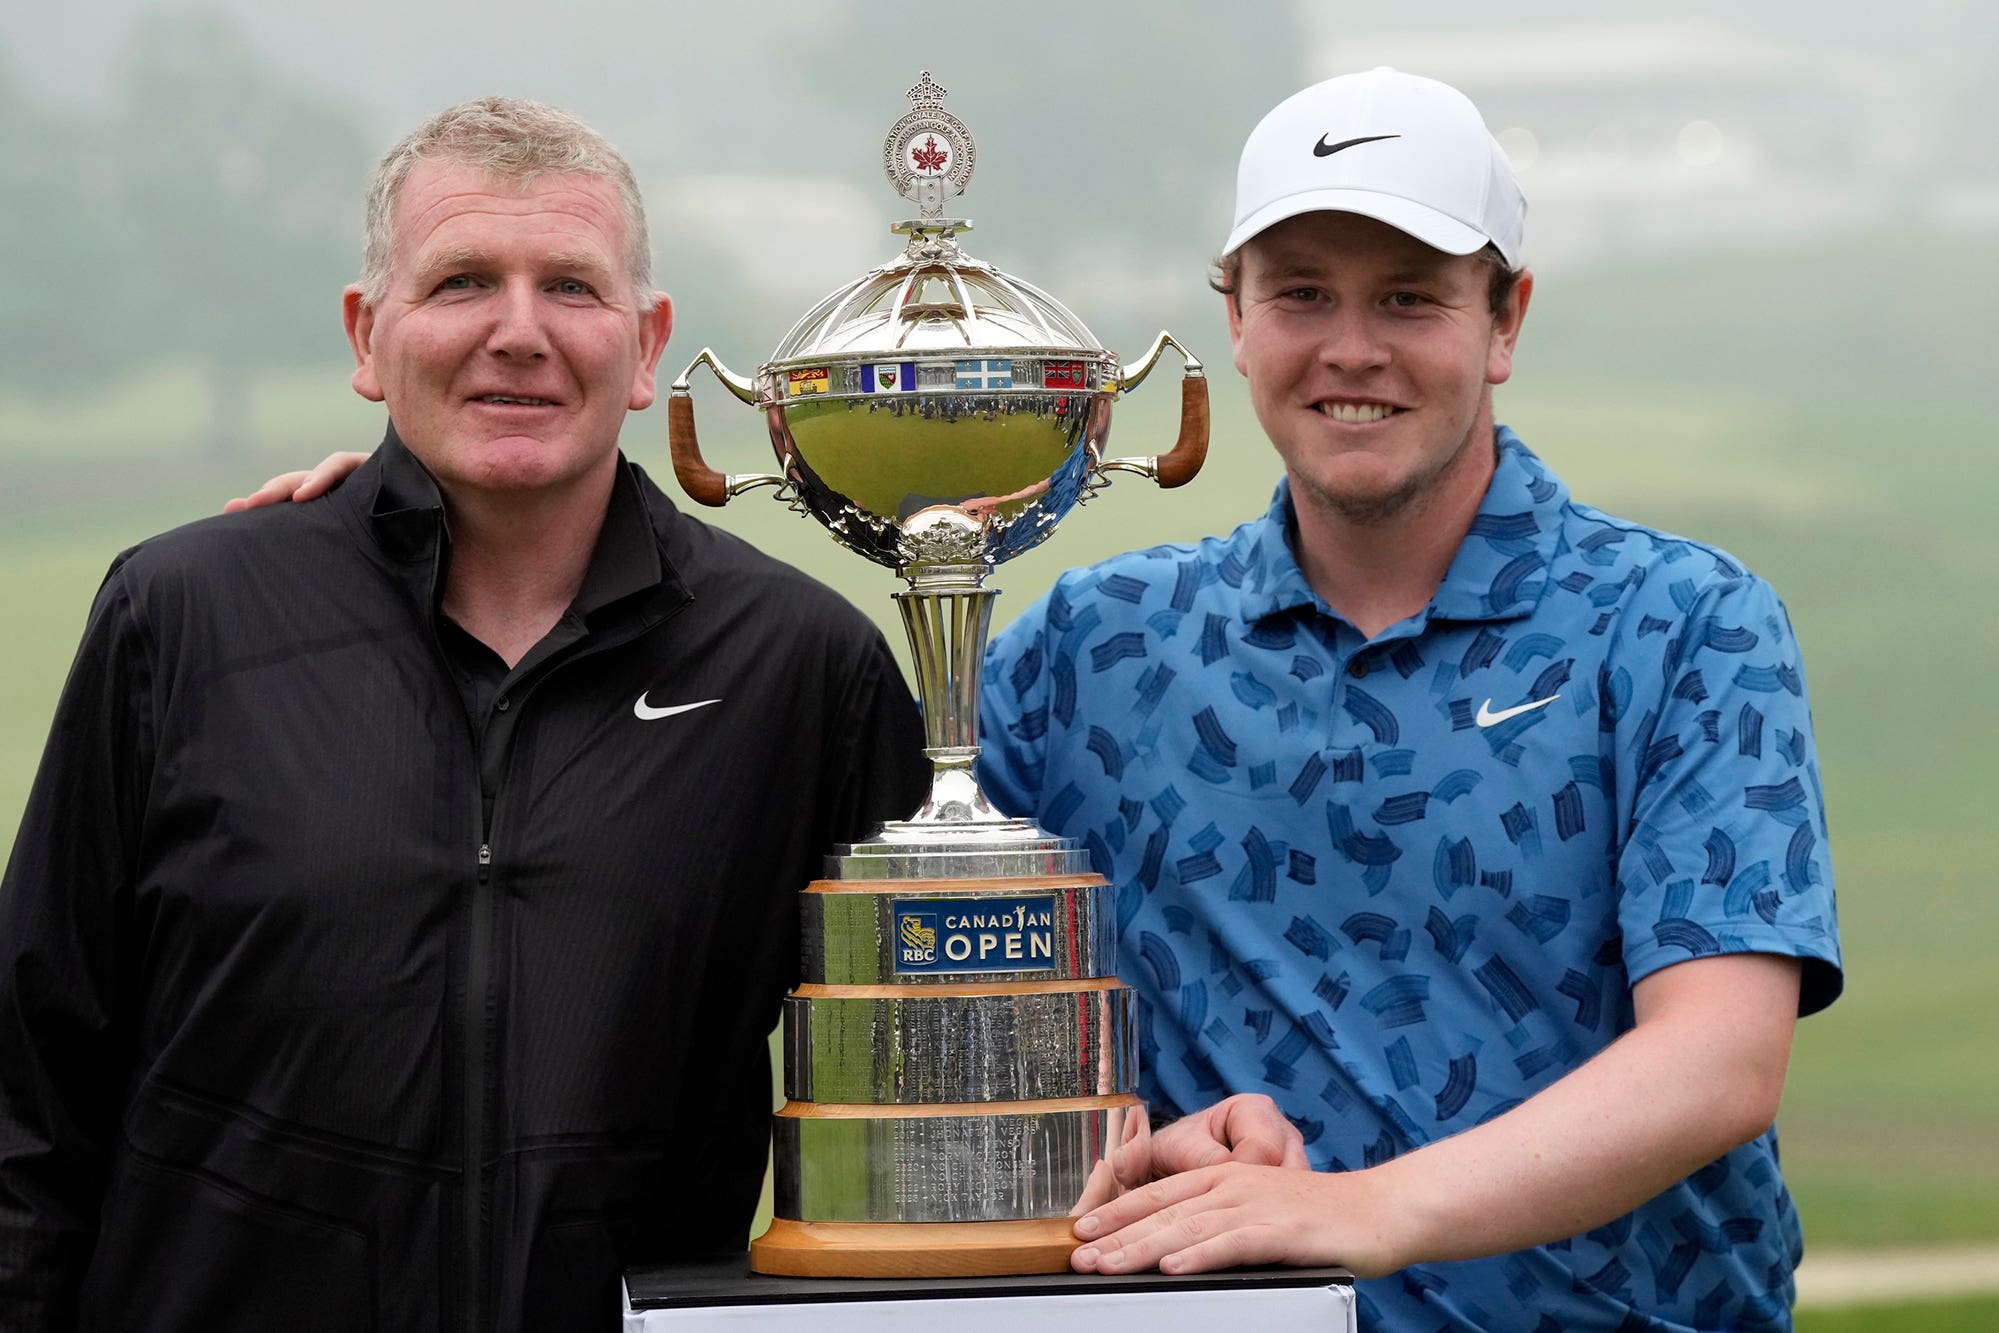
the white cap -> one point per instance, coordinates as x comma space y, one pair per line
1408, 151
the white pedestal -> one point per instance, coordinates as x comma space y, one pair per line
723, 1296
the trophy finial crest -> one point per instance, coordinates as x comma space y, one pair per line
928, 153
928, 94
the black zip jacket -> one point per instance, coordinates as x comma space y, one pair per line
327, 1006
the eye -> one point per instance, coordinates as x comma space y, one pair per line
1406, 300
457, 282
573, 287
1302, 295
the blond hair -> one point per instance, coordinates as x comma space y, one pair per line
511, 139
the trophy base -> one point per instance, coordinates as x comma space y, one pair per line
913, 1249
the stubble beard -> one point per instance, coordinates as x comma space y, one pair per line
1367, 511
1384, 508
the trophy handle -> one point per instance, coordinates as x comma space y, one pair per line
1177, 466
703, 484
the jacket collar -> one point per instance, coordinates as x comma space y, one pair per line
1499, 571
405, 513
405, 509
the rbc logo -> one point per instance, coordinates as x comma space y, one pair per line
917, 935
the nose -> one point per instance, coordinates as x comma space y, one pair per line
518, 331
1350, 340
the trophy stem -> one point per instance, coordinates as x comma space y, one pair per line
947, 630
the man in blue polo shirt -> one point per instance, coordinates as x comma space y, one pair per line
1477, 828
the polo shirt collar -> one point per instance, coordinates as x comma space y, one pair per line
1498, 573
1501, 568
1273, 583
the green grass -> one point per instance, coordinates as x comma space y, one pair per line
45, 586
1874, 524
1876, 530
161, 413
1980, 1315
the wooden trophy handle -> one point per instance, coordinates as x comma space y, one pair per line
1177, 467
703, 483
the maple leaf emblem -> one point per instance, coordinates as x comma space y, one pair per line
929, 157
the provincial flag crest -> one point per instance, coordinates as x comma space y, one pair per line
1064, 375
810, 379
889, 377
985, 373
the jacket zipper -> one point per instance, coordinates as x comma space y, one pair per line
478, 979
478, 968
472, 1015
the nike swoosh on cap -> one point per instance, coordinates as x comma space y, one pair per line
1324, 149
647, 713
1488, 718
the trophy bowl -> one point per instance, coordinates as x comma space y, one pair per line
938, 382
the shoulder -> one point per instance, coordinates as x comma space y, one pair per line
1619, 544
217, 556
1127, 592
1656, 580
1693, 653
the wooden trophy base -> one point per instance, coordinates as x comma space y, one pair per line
913, 1249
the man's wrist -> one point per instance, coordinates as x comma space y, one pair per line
1414, 1206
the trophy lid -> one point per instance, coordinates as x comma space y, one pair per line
934, 297
944, 304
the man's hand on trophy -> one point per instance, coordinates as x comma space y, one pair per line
1245, 1128
1125, 1165
299, 486
1131, 1156
1236, 1214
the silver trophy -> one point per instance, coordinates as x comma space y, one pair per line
959, 1056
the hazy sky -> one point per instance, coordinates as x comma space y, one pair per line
405, 56
1754, 122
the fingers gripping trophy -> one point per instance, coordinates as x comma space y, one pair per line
960, 1057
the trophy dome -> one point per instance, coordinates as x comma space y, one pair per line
947, 303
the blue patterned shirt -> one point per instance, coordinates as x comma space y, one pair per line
1402, 884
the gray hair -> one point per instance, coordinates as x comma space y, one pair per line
512, 139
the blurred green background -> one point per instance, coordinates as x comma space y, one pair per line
1762, 235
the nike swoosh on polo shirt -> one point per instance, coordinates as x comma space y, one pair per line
1488, 718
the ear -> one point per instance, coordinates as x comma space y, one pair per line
1506, 331
655, 327
1232, 304
359, 317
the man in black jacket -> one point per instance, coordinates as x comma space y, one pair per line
410, 880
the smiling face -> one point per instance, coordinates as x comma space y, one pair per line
509, 344
1370, 358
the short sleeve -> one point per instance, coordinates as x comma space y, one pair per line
1727, 847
